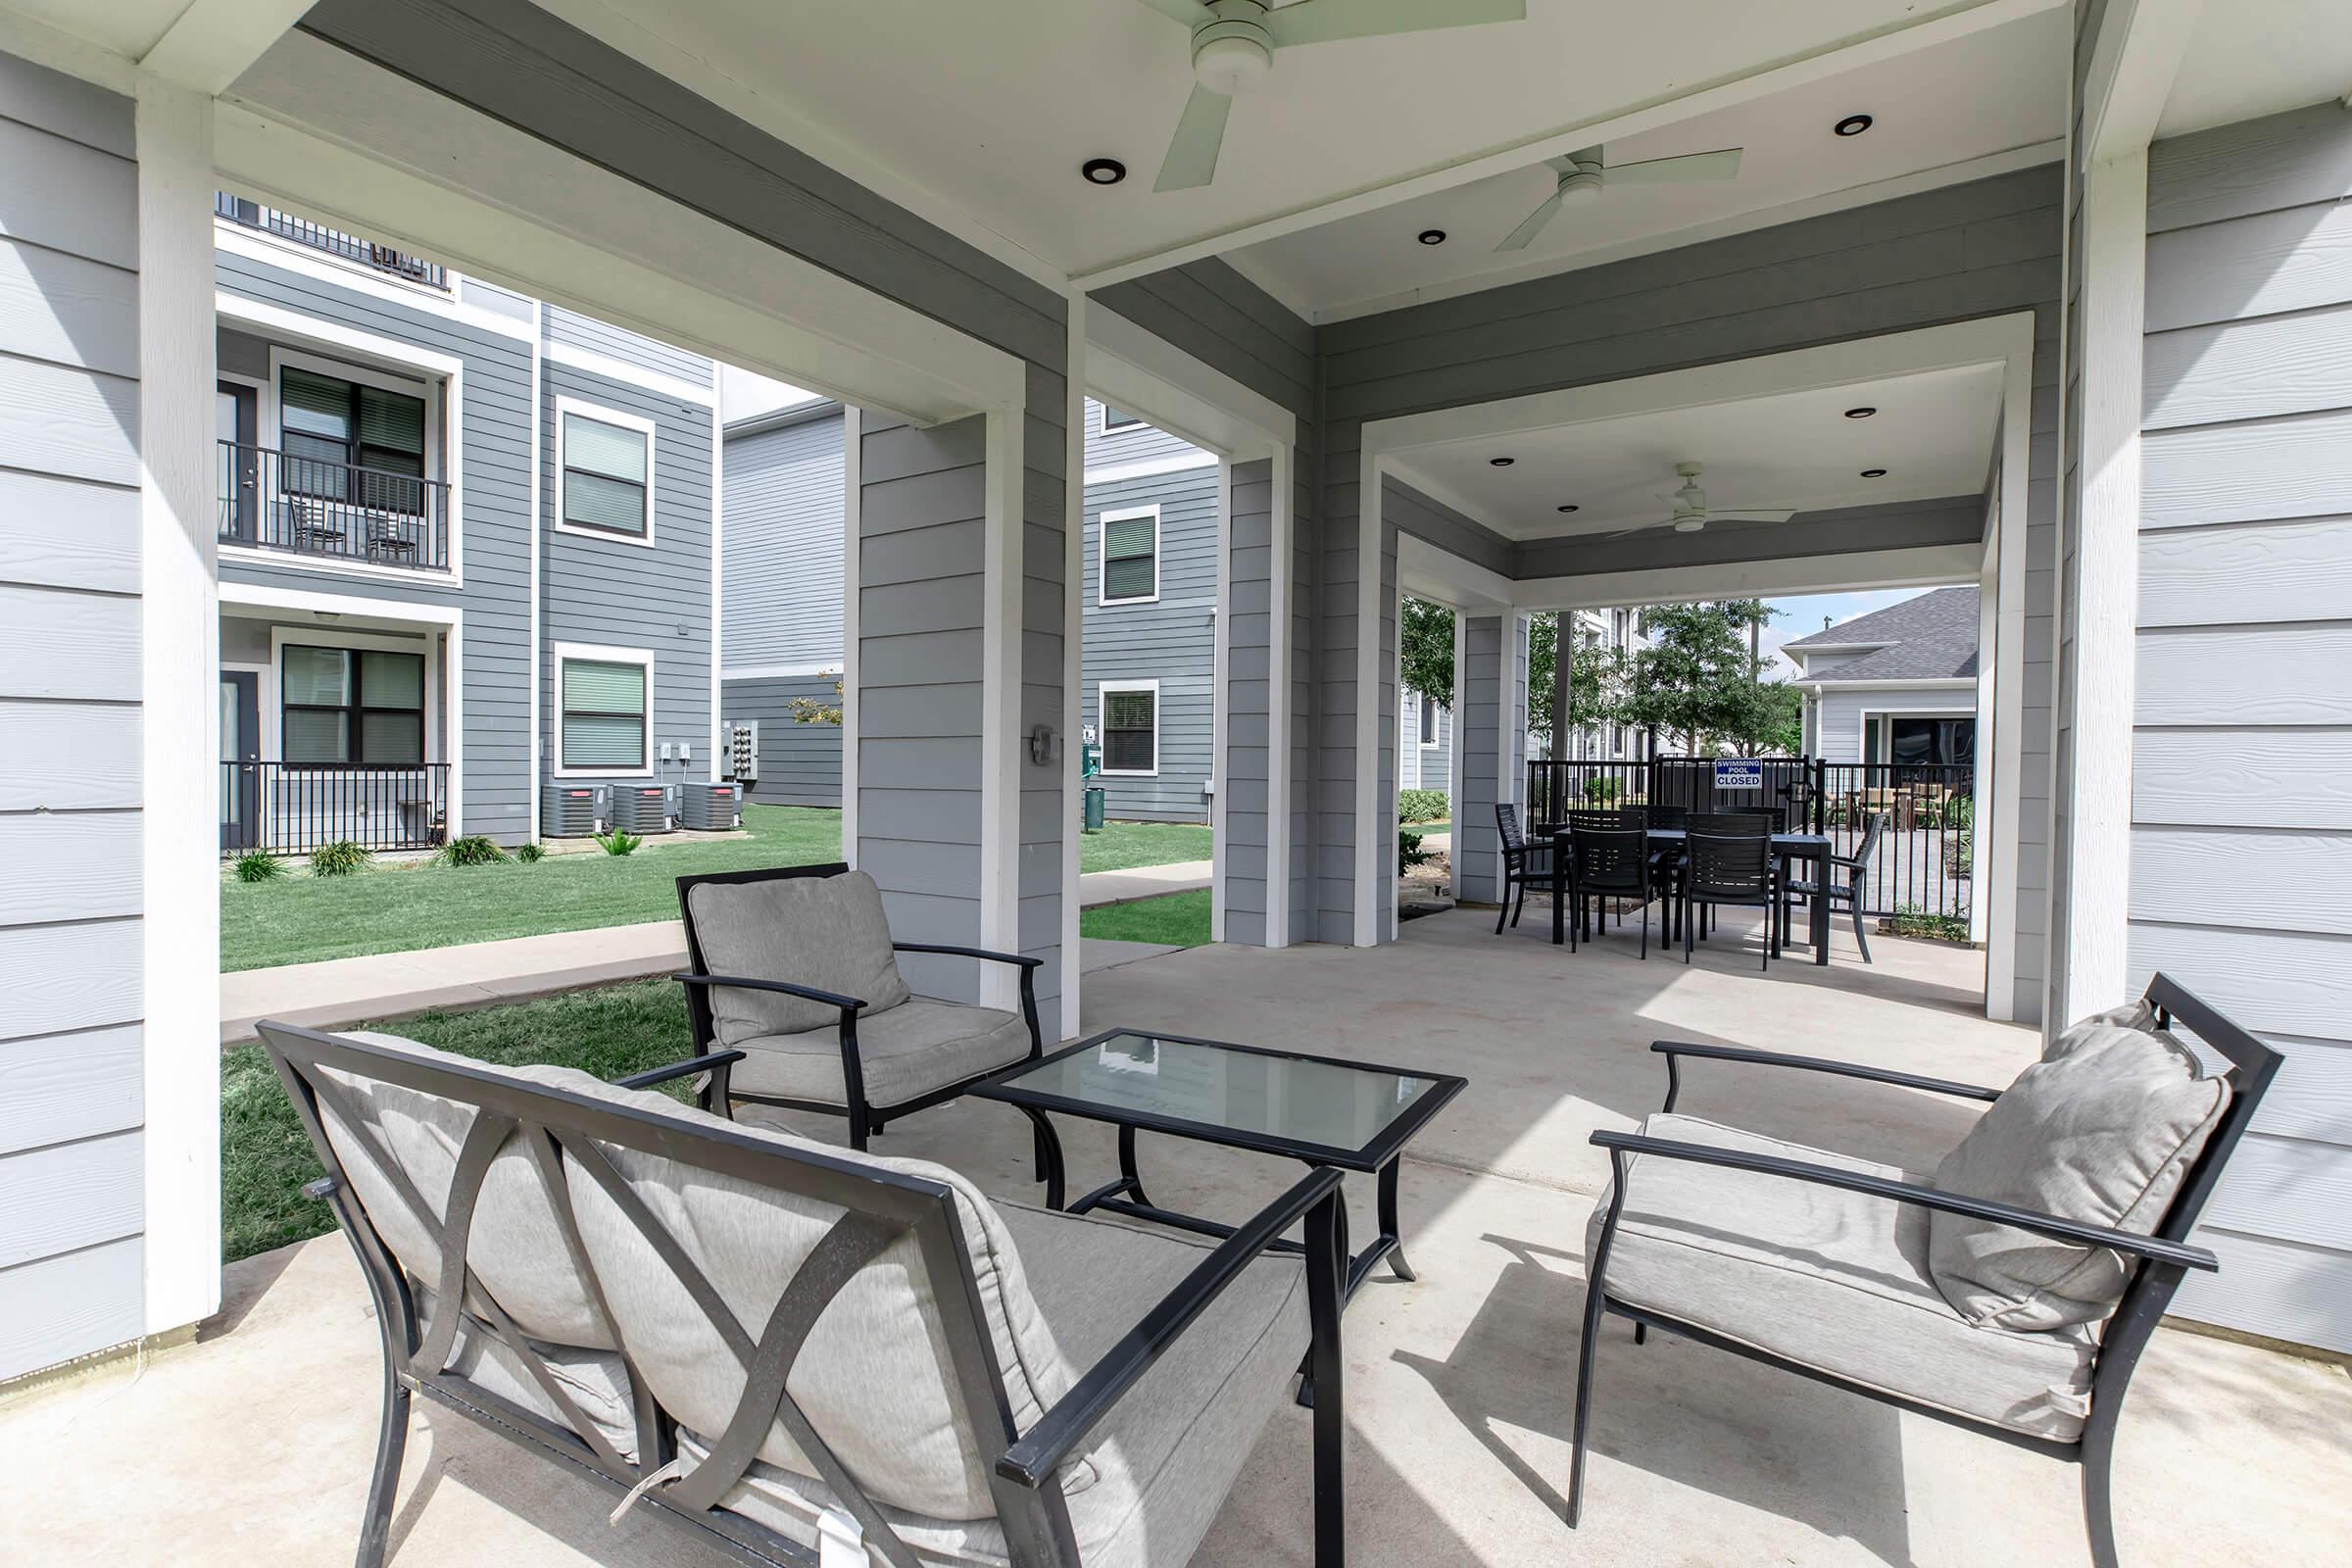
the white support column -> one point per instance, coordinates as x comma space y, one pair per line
1073, 663
180, 741
2088, 967
853, 450
1001, 743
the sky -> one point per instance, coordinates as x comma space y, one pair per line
1803, 617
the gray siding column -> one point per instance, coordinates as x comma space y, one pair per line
1477, 857
1246, 624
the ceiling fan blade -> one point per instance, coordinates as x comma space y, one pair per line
1192, 160
1532, 225
1191, 12
1753, 514
1639, 527
1566, 163
1325, 21
1687, 169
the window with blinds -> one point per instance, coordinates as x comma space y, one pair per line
328, 427
604, 714
1130, 729
1130, 557
351, 704
605, 469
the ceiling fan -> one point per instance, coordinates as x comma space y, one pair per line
1689, 513
1584, 176
1233, 48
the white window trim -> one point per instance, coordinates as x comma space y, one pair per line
438, 395
643, 657
1103, 426
565, 407
1102, 553
327, 634
1103, 689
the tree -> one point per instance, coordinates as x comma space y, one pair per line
809, 710
1697, 678
1424, 634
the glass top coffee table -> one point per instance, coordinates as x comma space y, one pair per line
1315, 1109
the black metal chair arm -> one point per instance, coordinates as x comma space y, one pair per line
2152, 1247
1022, 959
735, 982
677, 1070
321, 1190
1032, 1461
1673, 1048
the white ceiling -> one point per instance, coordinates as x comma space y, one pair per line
1933, 433
1991, 92
2258, 57
984, 112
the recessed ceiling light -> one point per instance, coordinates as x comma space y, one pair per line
1860, 413
1103, 170
1571, 506
1852, 126
1503, 463
1432, 236
1874, 473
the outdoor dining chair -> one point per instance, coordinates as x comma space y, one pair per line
1734, 869
1724, 824
1524, 865
1602, 861
2010, 1294
1845, 874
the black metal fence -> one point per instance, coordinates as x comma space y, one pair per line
294, 807
1922, 866
333, 241
306, 507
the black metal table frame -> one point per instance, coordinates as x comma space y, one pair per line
1786, 847
1126, 1196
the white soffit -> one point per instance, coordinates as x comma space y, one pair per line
2250, 57
1933, 433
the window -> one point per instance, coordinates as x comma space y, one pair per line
329, 427
1130, 557
1131, 728
606, 463
1429, 723
1942, 742
351, 704
1113, 421
606, 695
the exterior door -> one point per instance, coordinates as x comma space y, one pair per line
238, 415
241, 760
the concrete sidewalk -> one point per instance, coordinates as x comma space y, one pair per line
337, 992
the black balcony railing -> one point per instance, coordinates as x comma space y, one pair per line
294, 807
304, 507
333, 241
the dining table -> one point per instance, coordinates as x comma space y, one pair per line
1786, 849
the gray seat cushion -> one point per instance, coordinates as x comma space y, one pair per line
828, 932
1830, 1279
2101, 1131
1168, 1452
909, 1051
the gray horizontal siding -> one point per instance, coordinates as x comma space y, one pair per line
2242, 755
799, 764
71, 1113
782, 511
1172, 641
575, 331
1142, 443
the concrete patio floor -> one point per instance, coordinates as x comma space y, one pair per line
253, 1445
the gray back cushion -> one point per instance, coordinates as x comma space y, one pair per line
2103, 1132
828, 932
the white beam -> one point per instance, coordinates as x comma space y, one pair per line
1926, 567
215, 41
2134, 61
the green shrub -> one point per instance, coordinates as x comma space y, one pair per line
1913, 920
474, 849
1421, 805
531, 854
255, 866
1409, 851
618, 842
1603, 790
339, 858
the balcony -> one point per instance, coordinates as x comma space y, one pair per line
333, 241
335, 511
294, 807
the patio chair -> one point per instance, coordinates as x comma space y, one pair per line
1846, 875
1726, 824
1729, 869
1524, 865
1611, 860
795, 967
2010, 1294
775, 1346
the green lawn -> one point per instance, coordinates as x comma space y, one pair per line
1179, 920
398, 908
265, 1156
1427, 827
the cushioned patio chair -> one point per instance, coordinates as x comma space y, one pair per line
772, 1343
2010, 1293
795, 967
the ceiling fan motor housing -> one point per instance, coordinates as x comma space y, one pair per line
1582, 184
1233, 50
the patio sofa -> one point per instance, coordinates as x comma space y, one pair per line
2010, 1292
774, 1345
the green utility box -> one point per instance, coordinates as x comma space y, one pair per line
1094, 809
